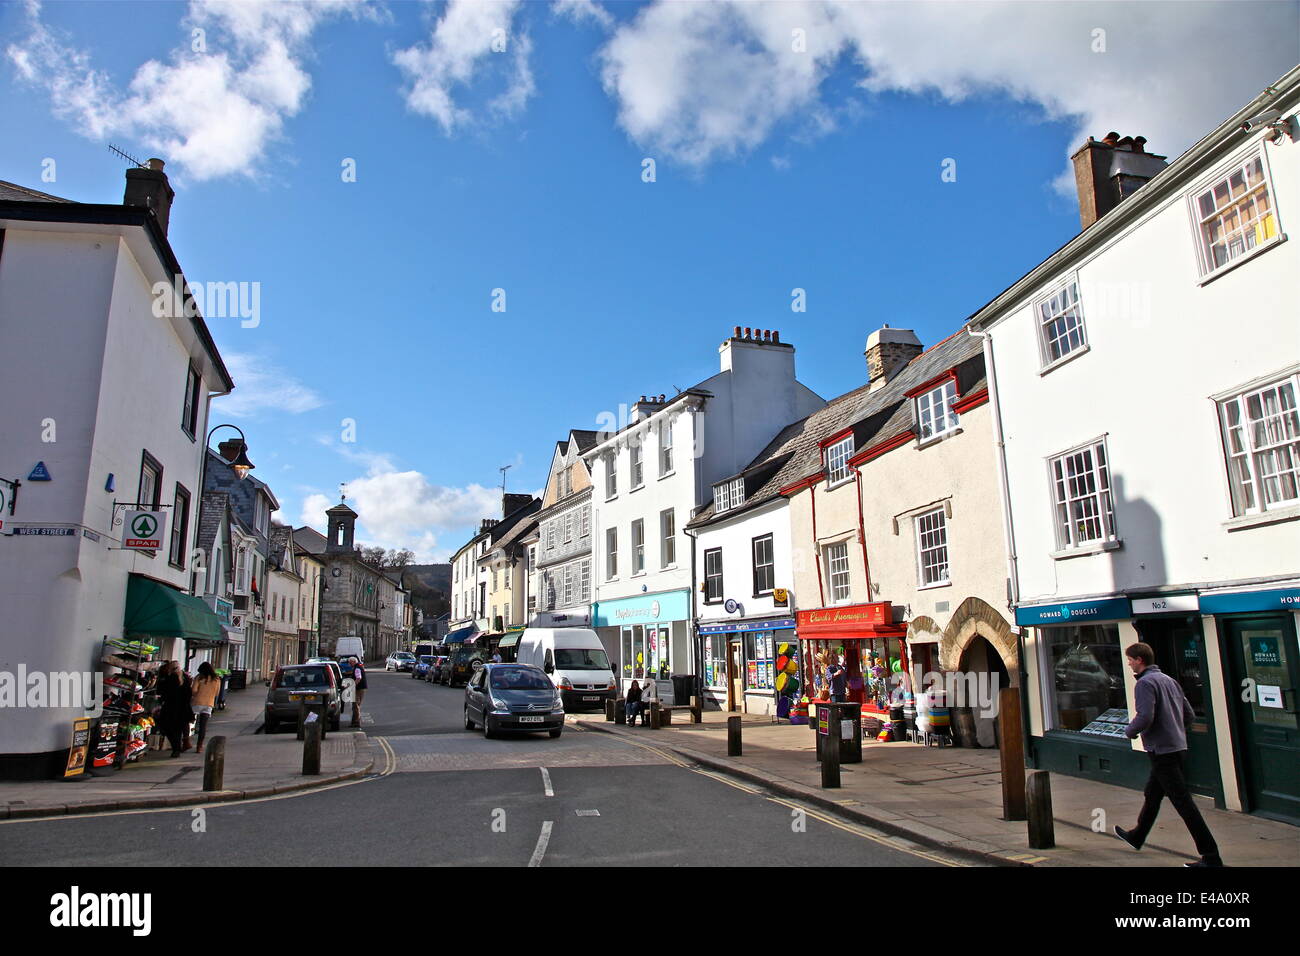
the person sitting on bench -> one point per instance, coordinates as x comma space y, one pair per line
632, 703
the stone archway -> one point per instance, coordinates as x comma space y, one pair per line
976, 618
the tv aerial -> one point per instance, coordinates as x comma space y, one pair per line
127, 156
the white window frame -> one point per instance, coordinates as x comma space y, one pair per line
1260, 236
728, 495
770, 564
931, 528
1061, 305
611, 478
937, 404
636, 464
838, 577
1066, 496
665, 449
584, 582
568, 526
710, 576
584, 530
638, 546
667, 538
837, 461
611, 554
1252, 475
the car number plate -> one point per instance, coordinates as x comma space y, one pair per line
530, 720
303, 697
591, 698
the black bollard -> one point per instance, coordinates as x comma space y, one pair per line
609, 709
733, 737
831, 749
214, 764
620, 712
311, 746
1042, 828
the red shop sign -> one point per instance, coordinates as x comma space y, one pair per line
830, 620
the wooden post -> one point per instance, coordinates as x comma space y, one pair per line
697, 710
311, 746
304, 709
1012, 752
733, 737
214, 764
1042, 828
654, 714
620, 711
831, 749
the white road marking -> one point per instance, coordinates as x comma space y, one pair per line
546, 782
587, 813
543, 839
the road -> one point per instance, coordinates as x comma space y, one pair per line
444, 796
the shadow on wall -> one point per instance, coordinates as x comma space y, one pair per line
1140, 562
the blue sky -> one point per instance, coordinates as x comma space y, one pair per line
521, 169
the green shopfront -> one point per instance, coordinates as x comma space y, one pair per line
1079, 691
647, 637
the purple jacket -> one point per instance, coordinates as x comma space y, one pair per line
1163, 713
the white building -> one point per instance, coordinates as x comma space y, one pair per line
649, 478
1146, 378
113, 398
563, 568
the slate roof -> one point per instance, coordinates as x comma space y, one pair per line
586, 440
279, 544
212, 508
12, 192
795, 452
310, 540
525, 522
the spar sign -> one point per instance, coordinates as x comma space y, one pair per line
144, 530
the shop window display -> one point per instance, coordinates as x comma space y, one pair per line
647, 651
759, 661
715, 660
1087, 678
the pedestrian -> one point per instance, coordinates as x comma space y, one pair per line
496, 657
837, 676
1162, 716
174, 691
632, 704
649, 692
358, 674
206, 687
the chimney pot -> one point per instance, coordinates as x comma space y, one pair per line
1107, 172
737, 334
776, 336
1111, 138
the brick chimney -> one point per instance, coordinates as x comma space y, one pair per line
888, 352
510, 503
646, 406
149, 188
1110, 171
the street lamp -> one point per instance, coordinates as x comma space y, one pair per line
241, 465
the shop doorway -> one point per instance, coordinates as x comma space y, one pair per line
735, 677
1179, 645
1264, 654
982, 676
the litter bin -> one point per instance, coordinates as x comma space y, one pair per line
221, 696
238, 680
850, 716
683, 689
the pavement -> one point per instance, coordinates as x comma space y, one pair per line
950, 798
257, 765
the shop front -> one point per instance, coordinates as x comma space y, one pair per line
862, 637
649, 636
752, 666
1256, 633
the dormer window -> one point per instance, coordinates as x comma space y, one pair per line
934, 415
837, 460
728, 495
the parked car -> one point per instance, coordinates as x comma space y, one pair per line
297, 683
422, 665
400, 661
575, 660
460, 666
513, 697
438, 672
330, 663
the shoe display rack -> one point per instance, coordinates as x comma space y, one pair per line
125, 724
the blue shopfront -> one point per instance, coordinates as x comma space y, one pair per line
648, 636
751, 666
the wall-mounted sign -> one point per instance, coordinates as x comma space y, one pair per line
780, 597
39, 473
144, 530
1278, 599
849, 617
1075, 612
54, 532
1165, 604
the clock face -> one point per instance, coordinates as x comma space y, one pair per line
336, 571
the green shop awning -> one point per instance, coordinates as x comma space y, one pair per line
510, 640
155, 610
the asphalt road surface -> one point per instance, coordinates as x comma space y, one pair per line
444, 796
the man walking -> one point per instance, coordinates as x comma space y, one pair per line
358, 690
1162, 718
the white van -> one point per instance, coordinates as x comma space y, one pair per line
350, 647
576, 662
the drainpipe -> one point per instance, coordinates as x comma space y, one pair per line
817, 551
697, 642
862, 532
1008, 526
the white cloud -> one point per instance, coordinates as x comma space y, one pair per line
261, 386
703, 82
580, 10
213, 112
471, 38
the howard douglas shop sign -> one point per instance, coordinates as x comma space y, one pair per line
144, 530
